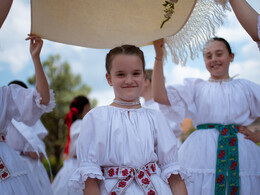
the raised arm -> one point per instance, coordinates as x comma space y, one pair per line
158, 85
5, 6
247, 16
41, 81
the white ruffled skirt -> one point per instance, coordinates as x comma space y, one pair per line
198, 156
21, 182
39, 174
60, 182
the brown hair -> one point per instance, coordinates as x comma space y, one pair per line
220, 39
124, 49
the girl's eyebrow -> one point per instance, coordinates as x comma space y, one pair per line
209, 52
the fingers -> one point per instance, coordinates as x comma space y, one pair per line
244, 131
34, 38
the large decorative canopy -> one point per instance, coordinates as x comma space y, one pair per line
110, 23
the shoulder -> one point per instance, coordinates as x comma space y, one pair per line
153, 113
99, 111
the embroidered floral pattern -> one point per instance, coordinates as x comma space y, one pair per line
141, 174
4, 173
151, 192
126, 176
227, 158
169, 10
111, 172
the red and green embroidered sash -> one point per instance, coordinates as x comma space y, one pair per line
227, 158
126, 175
4, 173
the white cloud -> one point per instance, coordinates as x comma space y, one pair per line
247, 69
16, 57
179, 73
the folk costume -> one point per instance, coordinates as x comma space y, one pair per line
219, 158
22, 105
131, 151
60, 183
25, 139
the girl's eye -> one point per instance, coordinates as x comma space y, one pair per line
137, 73
120, 74
208, 57
219, 54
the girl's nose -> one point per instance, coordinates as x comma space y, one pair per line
214, 58
129, 79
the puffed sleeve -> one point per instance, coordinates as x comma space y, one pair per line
88, 146
182, 102
22, 105
167, 150
253, 97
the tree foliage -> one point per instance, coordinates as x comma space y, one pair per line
66, 86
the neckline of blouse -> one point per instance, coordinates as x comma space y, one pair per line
127, 109
219, 80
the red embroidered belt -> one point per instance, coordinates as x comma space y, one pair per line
126, 175
4, 173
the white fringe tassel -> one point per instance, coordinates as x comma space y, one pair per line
200, 27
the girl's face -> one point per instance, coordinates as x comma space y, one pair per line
127, 77
217, 59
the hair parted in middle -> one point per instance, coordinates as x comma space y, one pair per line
124, 49
220, 39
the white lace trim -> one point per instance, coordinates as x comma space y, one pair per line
51, 104
174, 169
199, 28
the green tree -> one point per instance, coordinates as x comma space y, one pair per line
66, 86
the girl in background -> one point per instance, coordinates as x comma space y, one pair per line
26, 105
27, 141
79, 107
219, 159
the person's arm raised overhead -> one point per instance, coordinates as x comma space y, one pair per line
247, 16
158, 84
41, 81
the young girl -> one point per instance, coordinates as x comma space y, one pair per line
25, 105
78, 109
27, 141
124, 148
219, 159
248, 18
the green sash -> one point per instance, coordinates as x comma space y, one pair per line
227, 158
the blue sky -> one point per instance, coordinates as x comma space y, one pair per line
15, 59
